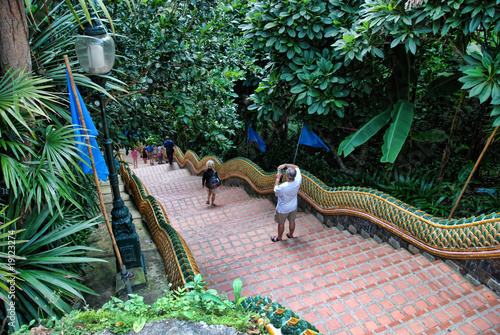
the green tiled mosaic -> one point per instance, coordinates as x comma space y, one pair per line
281, 318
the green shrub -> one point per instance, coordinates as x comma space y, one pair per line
191, 303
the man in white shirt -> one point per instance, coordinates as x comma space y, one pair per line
287, 199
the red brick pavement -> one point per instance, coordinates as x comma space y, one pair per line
341, 283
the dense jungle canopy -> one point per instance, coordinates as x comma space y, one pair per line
406, 94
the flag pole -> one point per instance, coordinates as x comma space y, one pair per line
298, 143
124, 272
492, 136
246, 153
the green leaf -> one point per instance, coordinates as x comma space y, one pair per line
485, 93
139, 324
496, 122
411, 45
377, 52
213, 298
443, 86
364, 133
397, 41
237, 285
476, 90
395, 136
495, 111
298, 89
433, 135
495, 94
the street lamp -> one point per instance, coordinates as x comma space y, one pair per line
95, 51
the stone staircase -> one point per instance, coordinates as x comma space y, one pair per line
339, 282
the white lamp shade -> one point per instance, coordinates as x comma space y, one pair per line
96, 54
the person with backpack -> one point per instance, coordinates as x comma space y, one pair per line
149, 150
211, 181
169, 149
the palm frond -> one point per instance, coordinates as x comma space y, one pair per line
18, 149
44, 280
61, 152
14, 174
21, 92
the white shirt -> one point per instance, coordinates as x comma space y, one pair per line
287, 194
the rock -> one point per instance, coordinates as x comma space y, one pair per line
178, 327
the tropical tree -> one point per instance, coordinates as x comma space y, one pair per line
181, 60
341, 65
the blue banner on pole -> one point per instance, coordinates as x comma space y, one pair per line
308, 137
254, 137
100, 164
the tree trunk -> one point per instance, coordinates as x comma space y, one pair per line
14, 43
14, 53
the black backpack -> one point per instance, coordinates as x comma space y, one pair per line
214, 181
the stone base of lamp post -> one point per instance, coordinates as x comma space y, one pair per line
126, 237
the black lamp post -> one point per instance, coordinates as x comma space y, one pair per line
95, 51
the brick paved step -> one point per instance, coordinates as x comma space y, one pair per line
166, 186
194, 209
473, 312
324, 257
227, 197
346, 295
192, 201
347, 308
432, 296
368, 275
264, 254
318, 266
403, 297
208, 232
339, 245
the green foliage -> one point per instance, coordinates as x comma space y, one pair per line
204, 299
42, 267
19, 94
237, 285
50, 204
303, 71
182, 60
342, 64
196, 304
482, 79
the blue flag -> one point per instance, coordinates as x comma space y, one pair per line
254, 137
308, 137
100, 164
